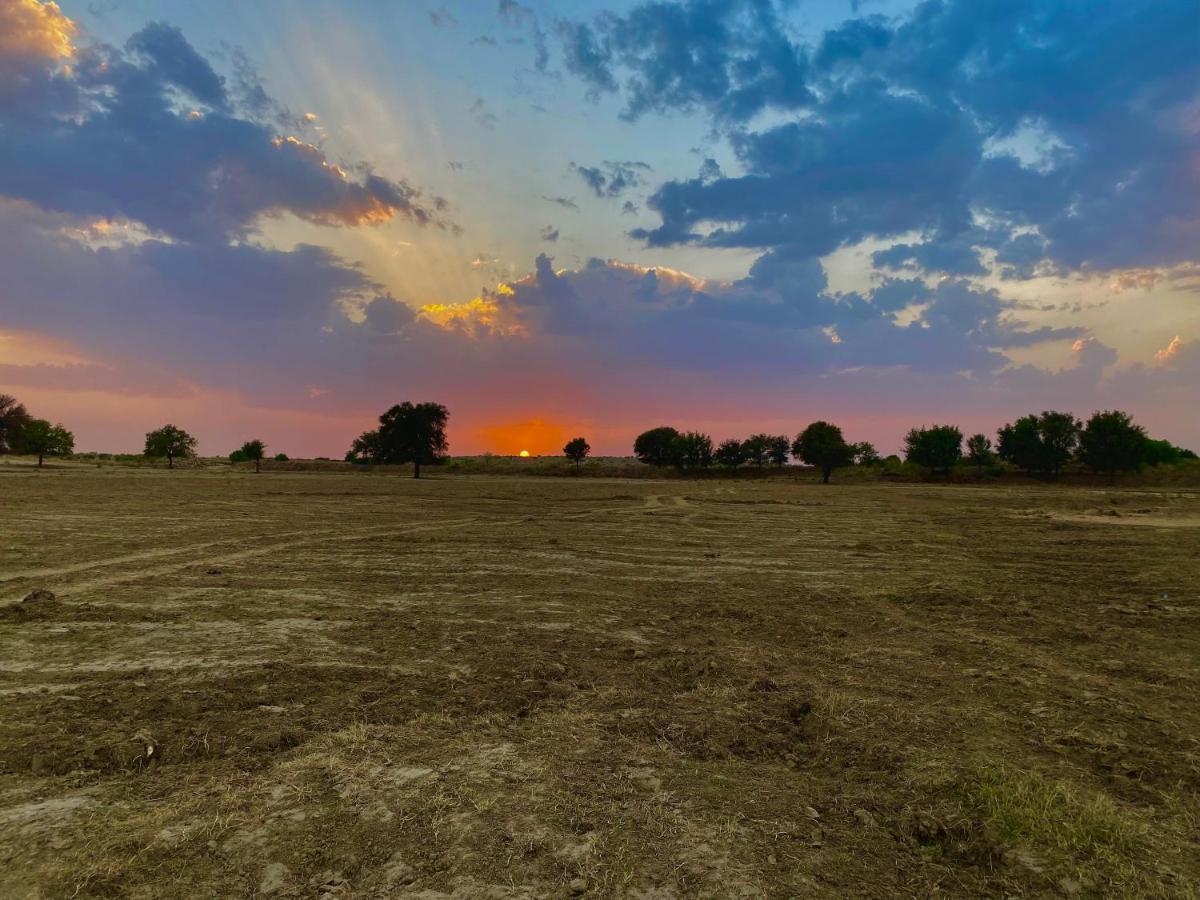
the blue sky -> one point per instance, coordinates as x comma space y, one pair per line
737, 215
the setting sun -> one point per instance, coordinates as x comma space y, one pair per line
524, 453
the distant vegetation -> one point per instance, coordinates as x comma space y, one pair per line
1039, 444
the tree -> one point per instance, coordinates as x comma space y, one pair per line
1039, 443
577, 450
778, 449
757, 448
730, 454
657, 446
281, 457
13, 420
409, 433
936, 447
41, 438
979, 451
254, 450
1111, 442
170, 442
1156, 453
693, 450
865, 454
821, 445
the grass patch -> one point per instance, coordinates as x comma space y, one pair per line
1068, 830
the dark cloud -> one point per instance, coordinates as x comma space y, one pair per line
564, 202
442, 18
731, 58
611, 179
484, 116
550, 234
1069, 128
150, 134
517, 15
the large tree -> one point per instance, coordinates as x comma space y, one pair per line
657, 447
730, 454
13, 419
757, 448
1039, 443
821, 445
693, 450
936, 447
170, 442
865, 454
778, 449
409, 433
979, 452
1111, 442
254, 451
577, 450
42, 439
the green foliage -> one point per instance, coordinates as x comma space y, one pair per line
577, 450
170, 442
42, 439
1110, 442
1155, 453
252, 451
865, 454
1040, 443
281, 457
693, 450
821, 445
979, 451
13, 420
238, 456
407, 433
937, 447
730, 454
657, 447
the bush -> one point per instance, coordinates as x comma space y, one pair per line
937, 447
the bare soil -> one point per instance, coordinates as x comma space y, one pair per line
361, 685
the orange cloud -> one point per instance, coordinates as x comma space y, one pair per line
30, 30
478, 317
26, 348
1167, 353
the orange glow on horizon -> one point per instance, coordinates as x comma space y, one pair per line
536, 437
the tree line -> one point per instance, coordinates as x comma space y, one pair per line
415, 433
1038, 443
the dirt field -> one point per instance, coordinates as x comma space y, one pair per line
360, 685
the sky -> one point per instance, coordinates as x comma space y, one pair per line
277, 219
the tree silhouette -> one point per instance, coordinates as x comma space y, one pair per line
170, 442
41, 438
757, 448
936, 447
1111, 442
730, 454
778, 449
577, 450
1039, 443
865, 454
657, 446
408, 433
821, 445
979, 451
13, 420
693, 450
254, 450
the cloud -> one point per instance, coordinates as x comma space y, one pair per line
150, 134
442, 18
549, 233
484, 116
733, 59
611, 179
564, 202
518, 15
1169, 352
1069, 131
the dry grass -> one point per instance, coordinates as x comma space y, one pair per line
486, 687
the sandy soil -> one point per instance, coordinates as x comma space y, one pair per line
360, 685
